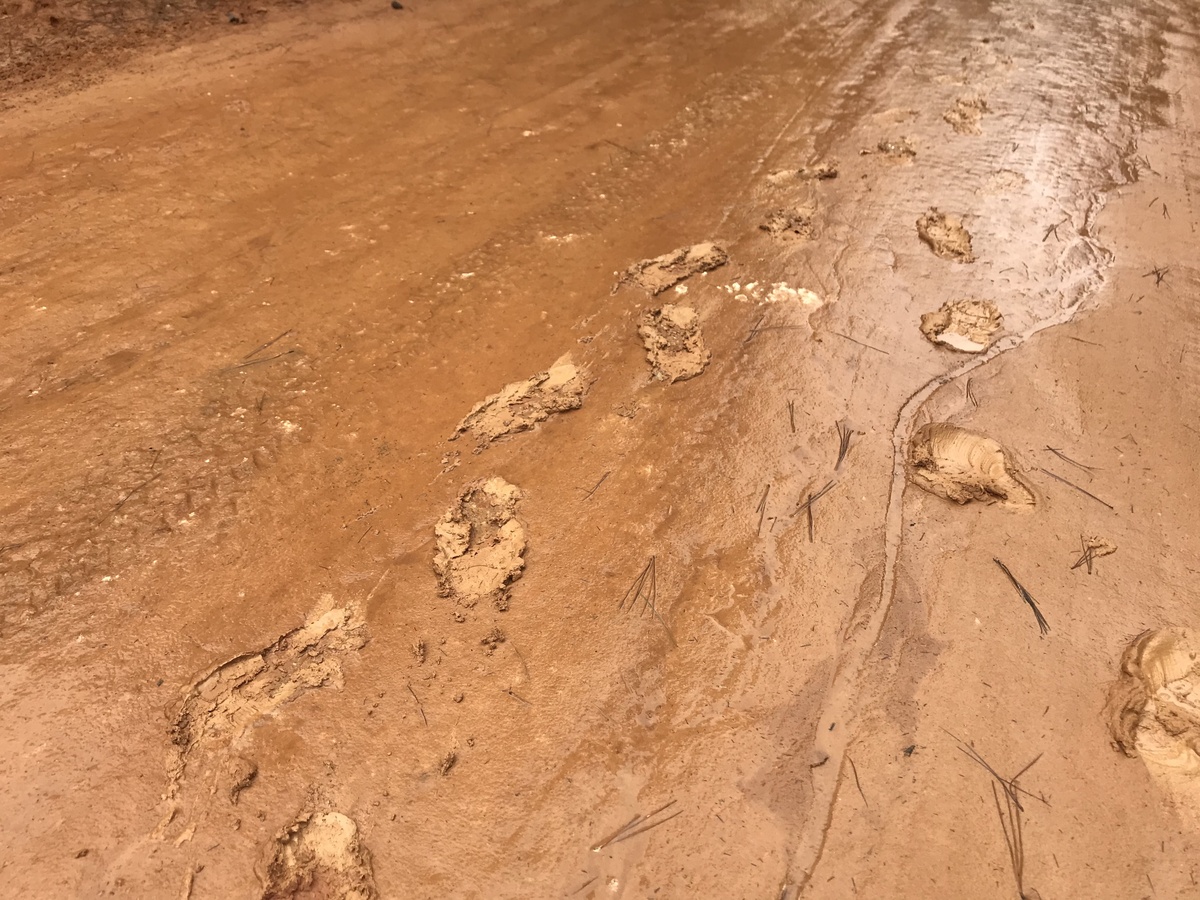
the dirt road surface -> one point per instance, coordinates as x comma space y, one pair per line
287, 609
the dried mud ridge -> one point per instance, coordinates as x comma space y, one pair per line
968, 326
674, 345
945, 236
319, 855
480, 545
523, 404
966, 114
1153, 711
962, 466
790, 224
662, 272
220, 707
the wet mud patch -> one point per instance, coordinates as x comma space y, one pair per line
319, 856
220, 707
523, 404
789, 224
968, 326
674, 345
662, 272
945, 236
962, 466
966, 114
481, 544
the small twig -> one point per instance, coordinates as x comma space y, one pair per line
1159, 273
807, 506
262, 347
585, 884
255, 362
1068, 459
115, 509
639, 590
754, 331
971, 395
609, 838
845, 434
1089, 556
645, 588
762, 508
1010, 813
857, 784
603, 478
1026, 596
1053, 230
624, 832
517, 696
524, 665
1077, 487
860, 343
792, 414
419, 706
626, 837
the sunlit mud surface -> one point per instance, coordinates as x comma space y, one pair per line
507, 451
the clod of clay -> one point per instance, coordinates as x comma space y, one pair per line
674, 345
965, 115
319, 855
900, 149
242, 773
945, 236
1153, 709
789, 224
522, 404
658, 274
818, 171
965, 325
961, 465
480, 543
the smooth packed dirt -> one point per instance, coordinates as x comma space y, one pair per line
590, 450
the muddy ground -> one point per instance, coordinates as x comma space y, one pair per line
374, 523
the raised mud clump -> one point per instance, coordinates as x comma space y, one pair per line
221, 706
821, 171
320, 855
674, 345
965, 325
522, 404
1153, 709
480, 544
945, 236
961, 465
658, 274
898, 149
966, 114
789, 224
